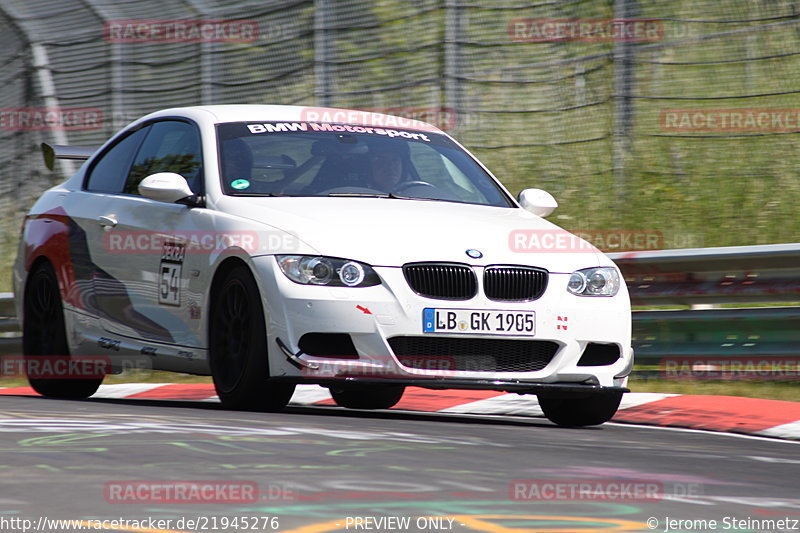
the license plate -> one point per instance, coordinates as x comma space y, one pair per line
486, 321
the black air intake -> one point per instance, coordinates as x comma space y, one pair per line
442, 281
514, 283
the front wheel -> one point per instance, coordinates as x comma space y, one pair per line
578, 412
238, 347
44, 339
367, 396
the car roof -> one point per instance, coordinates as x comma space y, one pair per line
290, 113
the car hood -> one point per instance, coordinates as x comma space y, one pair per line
391, 232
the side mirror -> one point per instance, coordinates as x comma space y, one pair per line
165, 187
537, 201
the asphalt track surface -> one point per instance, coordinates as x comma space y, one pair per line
321, 469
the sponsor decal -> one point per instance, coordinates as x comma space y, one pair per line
169, 273
108, 344
285, 127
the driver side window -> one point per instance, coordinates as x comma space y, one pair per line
109, 172
170, 146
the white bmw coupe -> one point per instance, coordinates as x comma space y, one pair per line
268, 246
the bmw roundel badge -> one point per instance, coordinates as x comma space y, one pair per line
475, 254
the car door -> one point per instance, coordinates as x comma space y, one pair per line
145, 243
98, 294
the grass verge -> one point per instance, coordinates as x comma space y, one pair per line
768, 390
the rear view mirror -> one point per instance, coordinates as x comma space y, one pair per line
537, 201
343, 145
165, 187
275, 162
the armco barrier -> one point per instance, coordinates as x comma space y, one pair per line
9, 345
752, 275
736, 274
694, 277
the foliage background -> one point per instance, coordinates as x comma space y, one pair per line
580, 119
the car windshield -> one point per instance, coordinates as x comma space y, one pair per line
320, 159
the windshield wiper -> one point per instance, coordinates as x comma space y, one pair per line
401, 197
261, 194
360, 194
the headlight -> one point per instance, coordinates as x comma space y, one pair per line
602, 281
330, 271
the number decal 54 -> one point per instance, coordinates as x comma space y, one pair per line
169, 283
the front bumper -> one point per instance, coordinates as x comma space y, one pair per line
373, 315
551, 390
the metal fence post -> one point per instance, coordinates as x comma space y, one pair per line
452, 63
41, 63
623, 108
322, 52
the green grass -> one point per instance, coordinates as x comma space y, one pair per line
769, 390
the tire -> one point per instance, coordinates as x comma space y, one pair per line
44, 334
368, 396
238, 347
578, 412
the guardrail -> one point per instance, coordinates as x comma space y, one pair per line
736, 274
701, 277
694, 277
9, 324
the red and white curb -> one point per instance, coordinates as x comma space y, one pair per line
733, 414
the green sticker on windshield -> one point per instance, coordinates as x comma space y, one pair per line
240, 184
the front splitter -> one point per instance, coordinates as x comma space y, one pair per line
520, 387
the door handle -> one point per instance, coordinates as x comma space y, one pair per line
107, 221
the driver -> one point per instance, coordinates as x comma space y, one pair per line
386, 169
237, 160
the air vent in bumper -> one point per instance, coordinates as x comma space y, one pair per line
473, 354
442, 281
